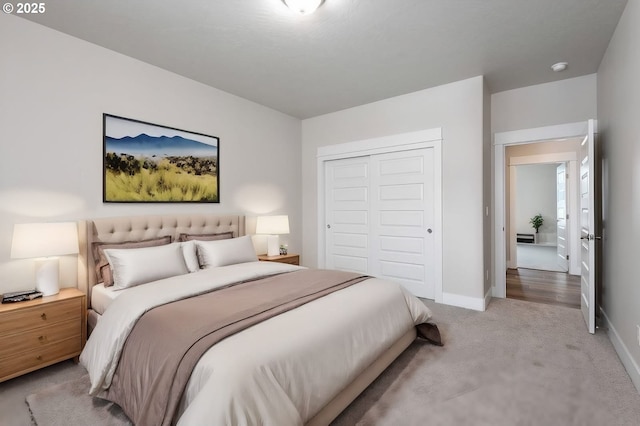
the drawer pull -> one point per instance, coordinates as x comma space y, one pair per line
43, 316
39, 357
41, 338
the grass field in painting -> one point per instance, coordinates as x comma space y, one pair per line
167, 180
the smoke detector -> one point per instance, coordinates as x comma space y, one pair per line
560, 66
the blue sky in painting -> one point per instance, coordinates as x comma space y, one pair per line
160, 146
143, 139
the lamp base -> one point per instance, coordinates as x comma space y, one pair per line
47, 273
273, 245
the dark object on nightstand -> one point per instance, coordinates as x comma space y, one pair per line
10, 298
19, 296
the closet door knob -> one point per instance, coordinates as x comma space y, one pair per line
429, 230
328, 226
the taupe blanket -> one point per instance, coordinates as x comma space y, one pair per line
168, 341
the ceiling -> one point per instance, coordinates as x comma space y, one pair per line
350, 52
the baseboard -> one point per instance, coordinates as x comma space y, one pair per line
475, 303
623, 352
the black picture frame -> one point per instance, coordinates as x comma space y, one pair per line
149, 163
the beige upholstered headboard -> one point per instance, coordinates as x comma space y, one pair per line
136, 228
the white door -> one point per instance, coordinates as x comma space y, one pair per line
380, 214
587, 229
561, 217
402, 219
347, 214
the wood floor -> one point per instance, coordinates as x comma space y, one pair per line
552, 288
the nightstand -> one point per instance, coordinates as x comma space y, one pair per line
292, 259
41, 332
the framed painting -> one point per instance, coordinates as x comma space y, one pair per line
148, 163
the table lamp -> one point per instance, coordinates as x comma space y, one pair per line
273, 226
44, 241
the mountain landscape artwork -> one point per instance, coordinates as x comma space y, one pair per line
144, 162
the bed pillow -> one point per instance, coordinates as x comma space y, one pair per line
190, 253
226, 252
103, 272
132, 267
206, 237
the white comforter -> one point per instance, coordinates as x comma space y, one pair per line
279, 372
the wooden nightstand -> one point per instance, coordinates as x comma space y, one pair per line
41, 332
292, 259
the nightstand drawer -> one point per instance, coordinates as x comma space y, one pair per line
37, 358
39, 338
40, 316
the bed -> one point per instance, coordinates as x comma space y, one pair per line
301, 366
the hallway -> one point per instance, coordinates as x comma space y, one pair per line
552, 288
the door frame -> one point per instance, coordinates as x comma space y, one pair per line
563, 169
500, 141
431, 138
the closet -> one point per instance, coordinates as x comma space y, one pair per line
382, 215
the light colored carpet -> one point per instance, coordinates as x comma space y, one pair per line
519, 363
69, 404
13, 408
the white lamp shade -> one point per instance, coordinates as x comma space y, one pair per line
44, 239
272, 225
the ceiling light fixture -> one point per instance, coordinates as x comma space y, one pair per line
560, 66
303, 7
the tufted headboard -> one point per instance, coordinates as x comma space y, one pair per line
137, 228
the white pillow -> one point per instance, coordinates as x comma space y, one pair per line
189, 251
131, 267
226, 252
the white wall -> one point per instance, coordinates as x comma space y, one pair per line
560, 102
536, 193
458, 109
619, 131
53, 91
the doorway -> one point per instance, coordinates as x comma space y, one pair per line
543, 198
531, 188
539, 213
505, 237
588, 217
